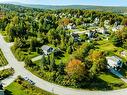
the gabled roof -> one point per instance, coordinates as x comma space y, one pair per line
45, 47
114, 58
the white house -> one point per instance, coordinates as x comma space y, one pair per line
47, 49
102, 30
116, 23
114, 29
96, 21
90, 33
106, 22
76, 37
114, 62
117, 28
71, 26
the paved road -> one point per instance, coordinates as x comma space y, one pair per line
20, 70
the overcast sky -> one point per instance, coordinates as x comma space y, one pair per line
72, 2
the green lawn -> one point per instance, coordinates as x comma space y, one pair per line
106, 45
24, 88
113, 81
15, 89
65, 58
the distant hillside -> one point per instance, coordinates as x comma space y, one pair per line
87, 7
8, 7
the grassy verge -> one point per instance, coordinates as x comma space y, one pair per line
6, 73
22, 87
3, 60
113, 81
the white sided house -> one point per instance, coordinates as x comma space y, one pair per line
102, 30
114, 62
47, 49
117, 28
71, 26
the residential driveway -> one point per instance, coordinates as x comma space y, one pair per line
36, 58
5, 67
9, 80
20, 70
118, 74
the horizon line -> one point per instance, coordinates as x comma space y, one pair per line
19, 3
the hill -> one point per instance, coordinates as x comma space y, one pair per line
116, 9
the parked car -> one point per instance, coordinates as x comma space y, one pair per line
30, 81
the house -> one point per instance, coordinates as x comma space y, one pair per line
114, 29
120, 27
106, 22
76, 37
71, 26
116, 23
102, 30
114, 62
96, 21
117, 28
90, 33
47, 49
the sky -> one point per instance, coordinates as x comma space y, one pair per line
72, 2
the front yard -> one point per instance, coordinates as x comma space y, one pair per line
113, 81
21, 87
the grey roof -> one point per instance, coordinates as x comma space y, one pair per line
114, 58
45, 47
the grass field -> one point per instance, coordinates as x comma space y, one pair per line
15, 89
3, 61
65, 58
106, 45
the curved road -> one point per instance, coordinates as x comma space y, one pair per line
50, 87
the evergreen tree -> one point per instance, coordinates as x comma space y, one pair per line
69, 50
52, 63
43, 61
48, 59
61, 68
